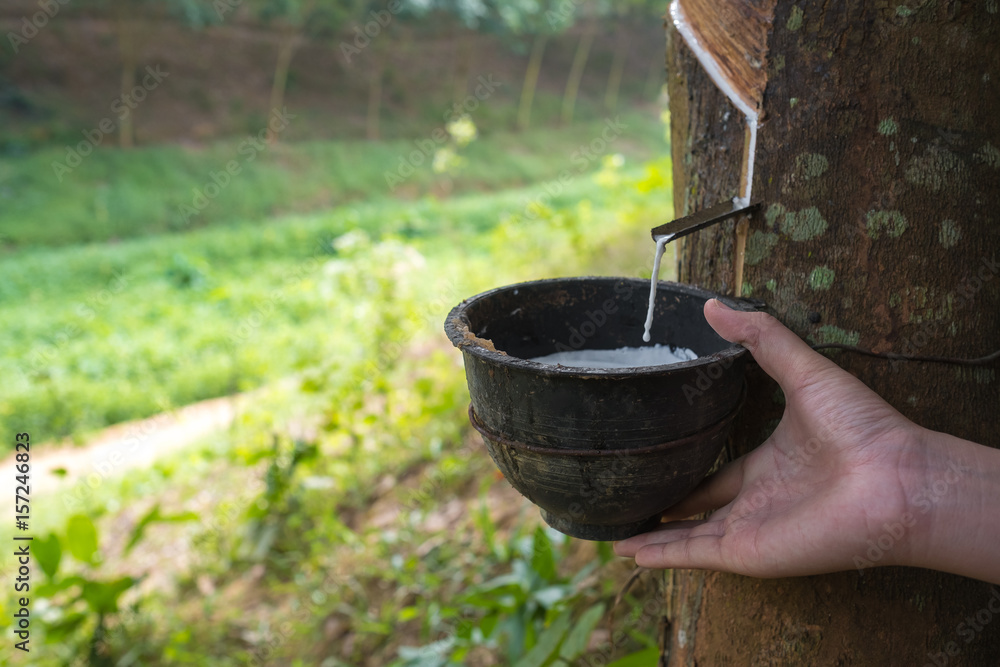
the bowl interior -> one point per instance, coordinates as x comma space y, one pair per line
538, 318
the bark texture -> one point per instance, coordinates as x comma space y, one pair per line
878, 163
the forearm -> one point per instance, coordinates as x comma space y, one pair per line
956, 509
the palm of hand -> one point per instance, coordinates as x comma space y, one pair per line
836, 469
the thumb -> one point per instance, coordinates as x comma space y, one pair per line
783, 355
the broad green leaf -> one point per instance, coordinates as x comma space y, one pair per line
81, 538
576, 643
48, 553
550, 595
515, 627
647, 657
102, 596
543, 561
548, 642
488, 624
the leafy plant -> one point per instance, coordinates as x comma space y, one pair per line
266, 517
530, 611
77, 605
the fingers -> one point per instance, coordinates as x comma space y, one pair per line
675, 530
783, 355
703, 552
712, 493
679, 544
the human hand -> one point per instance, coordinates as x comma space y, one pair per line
842, 468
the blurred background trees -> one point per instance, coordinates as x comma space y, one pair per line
419, 56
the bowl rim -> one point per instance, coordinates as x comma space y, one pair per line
456, 325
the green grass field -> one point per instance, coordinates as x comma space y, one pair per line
114, 194
103, 333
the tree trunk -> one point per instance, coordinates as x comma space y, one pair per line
576, 75
372, 131
878, 163
465, 54
127, 48
655, 79
616, 72
531, 81
291, 40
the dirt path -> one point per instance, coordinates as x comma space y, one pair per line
123, 446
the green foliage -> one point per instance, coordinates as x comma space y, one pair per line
643, 658
266, 517
81, 538
191, 13
48, 553
132, 329
82, 600
528, 609
155, 516
344, 527
125, 194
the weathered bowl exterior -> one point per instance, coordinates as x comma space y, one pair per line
607, 494
655, 427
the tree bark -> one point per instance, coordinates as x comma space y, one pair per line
878, 164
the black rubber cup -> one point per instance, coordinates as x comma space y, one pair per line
602, 452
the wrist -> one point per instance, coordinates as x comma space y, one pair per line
954, 525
